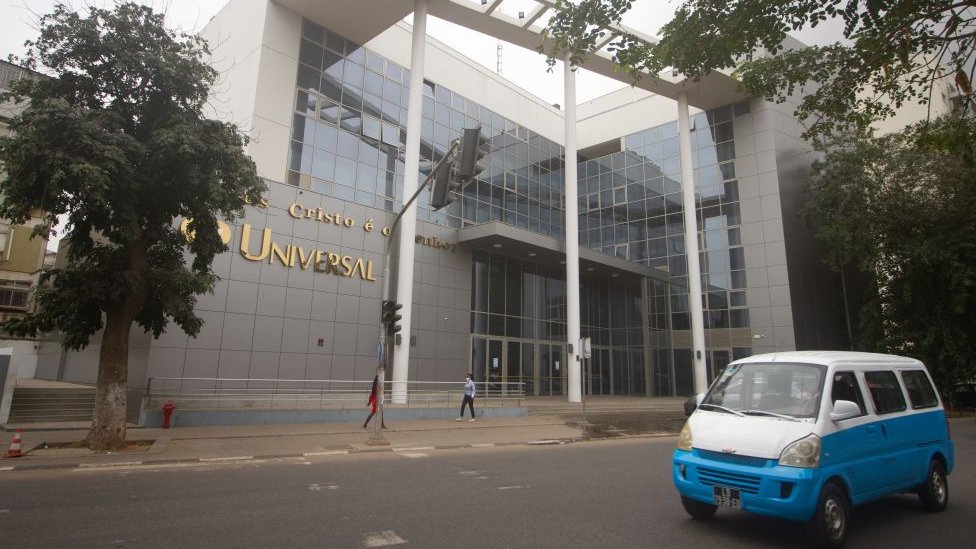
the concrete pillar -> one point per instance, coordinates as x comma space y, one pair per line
573, 361
408, 224
691, 244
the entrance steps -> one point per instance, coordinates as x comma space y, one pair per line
51, 404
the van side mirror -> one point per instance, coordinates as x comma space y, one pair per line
692, 403
844, 409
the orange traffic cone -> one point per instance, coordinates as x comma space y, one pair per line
14, 450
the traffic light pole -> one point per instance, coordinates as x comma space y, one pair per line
386, 340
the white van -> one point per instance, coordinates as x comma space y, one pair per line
808, 435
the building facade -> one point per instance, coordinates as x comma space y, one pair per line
325, 102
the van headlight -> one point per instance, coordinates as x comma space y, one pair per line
684, 438
802, 453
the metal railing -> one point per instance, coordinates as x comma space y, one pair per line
313, 394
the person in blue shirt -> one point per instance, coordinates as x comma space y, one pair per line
469, 391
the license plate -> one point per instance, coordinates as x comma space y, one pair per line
724, 496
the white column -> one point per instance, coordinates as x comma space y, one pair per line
571, 196
691, 244
408, 224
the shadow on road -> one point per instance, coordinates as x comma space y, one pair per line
617, 424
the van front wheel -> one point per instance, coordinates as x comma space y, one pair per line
935, 492
698, 509
830, 523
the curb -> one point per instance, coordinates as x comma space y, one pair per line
79, 466
266, 457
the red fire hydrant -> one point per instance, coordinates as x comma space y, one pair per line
168, 408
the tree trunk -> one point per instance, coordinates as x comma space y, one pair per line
108, 424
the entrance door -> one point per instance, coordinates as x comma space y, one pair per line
495, 366
552, 362
530, 374
504, 363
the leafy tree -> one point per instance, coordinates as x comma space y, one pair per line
899, 210
893, 50
116, 142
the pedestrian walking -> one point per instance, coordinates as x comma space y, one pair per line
371, 402
469, 391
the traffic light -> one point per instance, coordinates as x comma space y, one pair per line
391, 317
441, 190
472, 150
451, 177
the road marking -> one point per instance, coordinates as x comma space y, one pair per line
109, 465
468, 473
326, 453
540, 442
6, 468
414, 455
509, 487
230, 458
314, 488
384, 538
413, 449
490, 445
4, 511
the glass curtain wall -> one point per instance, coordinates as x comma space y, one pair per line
631, 207
347, 141
349, 133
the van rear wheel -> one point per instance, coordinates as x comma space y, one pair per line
698, 509
830, 523
935, 492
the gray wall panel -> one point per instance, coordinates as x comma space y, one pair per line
271, 300
238, 332
298, 303
264, 365
292, 366
242, 297
267, 333
234, 364
295, 336
345, 339
211, 331
323, 306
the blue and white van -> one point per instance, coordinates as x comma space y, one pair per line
808, 435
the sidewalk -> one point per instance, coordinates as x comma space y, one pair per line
248, 442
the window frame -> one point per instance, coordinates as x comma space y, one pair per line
857, 390
927, 384
874, 400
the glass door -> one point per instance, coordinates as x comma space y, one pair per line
479, 357
529, 376
552, 362
495, 367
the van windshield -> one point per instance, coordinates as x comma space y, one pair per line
768, 389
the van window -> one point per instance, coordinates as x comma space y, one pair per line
845, 388
920, 391
885, 392
768, 389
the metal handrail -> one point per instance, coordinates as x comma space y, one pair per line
209, 392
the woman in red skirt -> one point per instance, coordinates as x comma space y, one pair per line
372, 403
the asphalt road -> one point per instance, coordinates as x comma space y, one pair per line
596, 494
